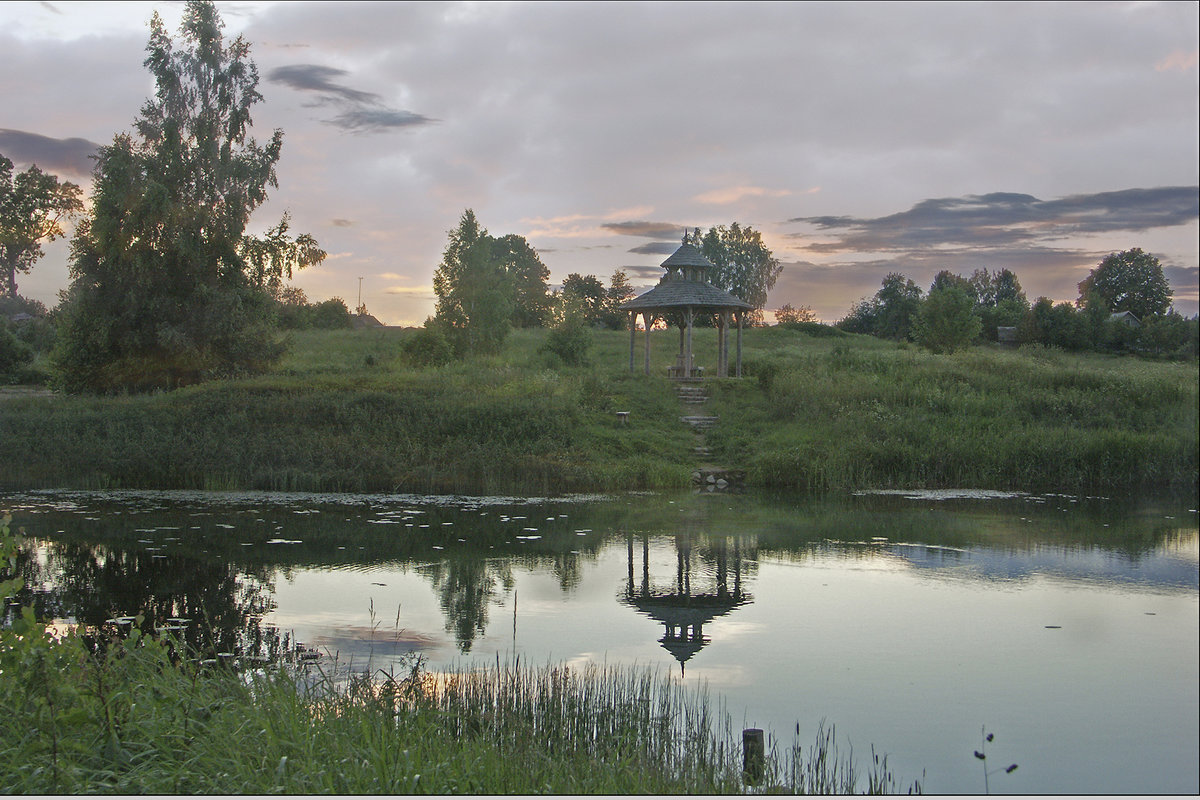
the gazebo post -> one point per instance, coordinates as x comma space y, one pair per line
648, 321
632, 336
740, 314
687, 358
725, 317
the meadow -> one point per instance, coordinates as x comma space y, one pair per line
344, 411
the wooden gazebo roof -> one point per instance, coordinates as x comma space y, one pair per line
684, 285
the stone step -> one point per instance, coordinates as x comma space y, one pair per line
698, 421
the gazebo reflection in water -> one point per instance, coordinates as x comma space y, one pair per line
708, 583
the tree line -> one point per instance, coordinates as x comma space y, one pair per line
486, 286
1124, 305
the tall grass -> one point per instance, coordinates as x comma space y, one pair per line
131, 721
344, 412
824, 416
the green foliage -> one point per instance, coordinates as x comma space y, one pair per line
788, 315
166, 288
428, 347
947, 320
485, 286
1131, 280
744, 266
33, 206
14, 354
570, 340
890, 313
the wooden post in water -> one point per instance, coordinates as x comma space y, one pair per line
754, 755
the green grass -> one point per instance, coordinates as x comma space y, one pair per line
138, 720
343, 412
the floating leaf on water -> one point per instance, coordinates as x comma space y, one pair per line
1054, 626
224, 525
980, 755
1010, 768
438, 547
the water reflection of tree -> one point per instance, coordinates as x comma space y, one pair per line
94, 583
466, 586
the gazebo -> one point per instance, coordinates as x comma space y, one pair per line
681, 295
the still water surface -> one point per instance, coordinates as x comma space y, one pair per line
1070, 627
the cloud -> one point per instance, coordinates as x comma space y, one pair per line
319, 79
338, 222
1179, 60
1003, 219
365, 112
649, 230
734, 194
52, 155
369, 120
655, 249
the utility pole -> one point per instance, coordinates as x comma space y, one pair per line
360, 291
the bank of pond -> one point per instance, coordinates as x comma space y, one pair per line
345, 411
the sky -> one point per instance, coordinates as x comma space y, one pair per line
859, 139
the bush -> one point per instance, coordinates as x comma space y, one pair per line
14, 354
570, 340
428, 347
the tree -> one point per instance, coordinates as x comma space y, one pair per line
999, 300
947, 320
474, 307
786, 314
619, 290
946, 279
744, 266
528, 277
166, 286
1131, 280
33, 206
898, 301
586, 294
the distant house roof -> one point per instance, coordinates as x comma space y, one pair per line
365, 321
1127, 317
685, 285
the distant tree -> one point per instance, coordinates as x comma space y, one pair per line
1058, 325
947, 320
587, 295
946, 279
331, 314
166, 288
863, 317
898, 301
1131, 280
527, 277
1168, 334
788, 315
619, 290
571, 338
33, 206
475, 306
999, 300
744, 266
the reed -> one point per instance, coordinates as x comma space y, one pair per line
137, 718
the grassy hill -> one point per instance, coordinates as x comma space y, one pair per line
344, 412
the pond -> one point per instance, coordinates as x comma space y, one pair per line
1069, 627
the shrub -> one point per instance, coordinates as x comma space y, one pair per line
427, 347
570, 340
